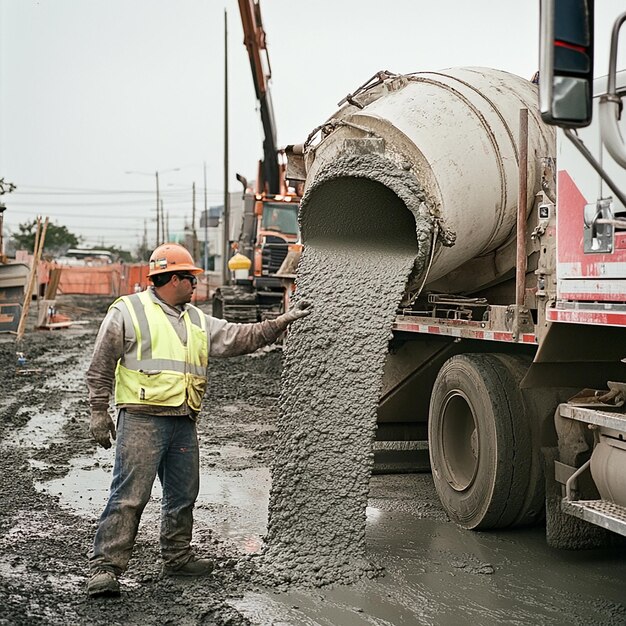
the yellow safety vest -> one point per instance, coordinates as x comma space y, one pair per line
160, 370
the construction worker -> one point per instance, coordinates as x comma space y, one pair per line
154, 346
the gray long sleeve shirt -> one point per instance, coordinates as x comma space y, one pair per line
116, 336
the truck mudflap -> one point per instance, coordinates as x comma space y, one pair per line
607, 466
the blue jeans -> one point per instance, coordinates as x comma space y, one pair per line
147, 446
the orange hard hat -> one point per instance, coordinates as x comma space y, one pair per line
172, 257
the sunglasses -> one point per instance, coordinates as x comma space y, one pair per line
192, 279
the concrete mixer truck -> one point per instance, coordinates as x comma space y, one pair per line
509, 342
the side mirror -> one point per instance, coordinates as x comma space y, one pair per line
566, 62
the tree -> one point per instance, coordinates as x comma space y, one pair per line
58, 238
143, 252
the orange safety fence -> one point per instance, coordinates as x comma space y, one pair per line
95, 281
115, 279
135, 277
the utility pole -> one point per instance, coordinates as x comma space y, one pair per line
158, 224
206, 222
160, 219
2, 210
164, 237
194, 234
144, 243
226, 220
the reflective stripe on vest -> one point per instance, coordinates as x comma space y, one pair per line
159, 369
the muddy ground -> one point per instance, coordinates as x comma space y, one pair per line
54, 482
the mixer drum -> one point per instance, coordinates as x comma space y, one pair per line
445, 143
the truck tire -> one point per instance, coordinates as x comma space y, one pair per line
538, 407
480, 442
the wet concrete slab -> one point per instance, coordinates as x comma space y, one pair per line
436, 573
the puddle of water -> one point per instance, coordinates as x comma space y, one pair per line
42, 429
44, 425
236, 503
227, 452
233, 504
37, 464
85, 488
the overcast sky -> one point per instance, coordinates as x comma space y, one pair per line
91, 89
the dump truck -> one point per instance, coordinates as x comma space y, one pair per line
509, 344
270, 218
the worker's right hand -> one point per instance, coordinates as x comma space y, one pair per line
102, 427
302, 308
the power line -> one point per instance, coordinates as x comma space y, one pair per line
106, 218
61, 191
89, 218
137, 203
109, 228
31, 213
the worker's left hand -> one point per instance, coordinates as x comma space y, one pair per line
102, 427
302, 308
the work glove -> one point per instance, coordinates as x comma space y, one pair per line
102, 428
302, 308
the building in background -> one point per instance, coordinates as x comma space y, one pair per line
85, 257
210, 233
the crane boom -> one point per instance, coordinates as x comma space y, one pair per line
254, 40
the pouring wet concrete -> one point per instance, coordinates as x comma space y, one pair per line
362, 239
320, 478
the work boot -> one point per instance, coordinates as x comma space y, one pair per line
193, 567
103, 583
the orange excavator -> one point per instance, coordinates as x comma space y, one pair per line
270, 219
